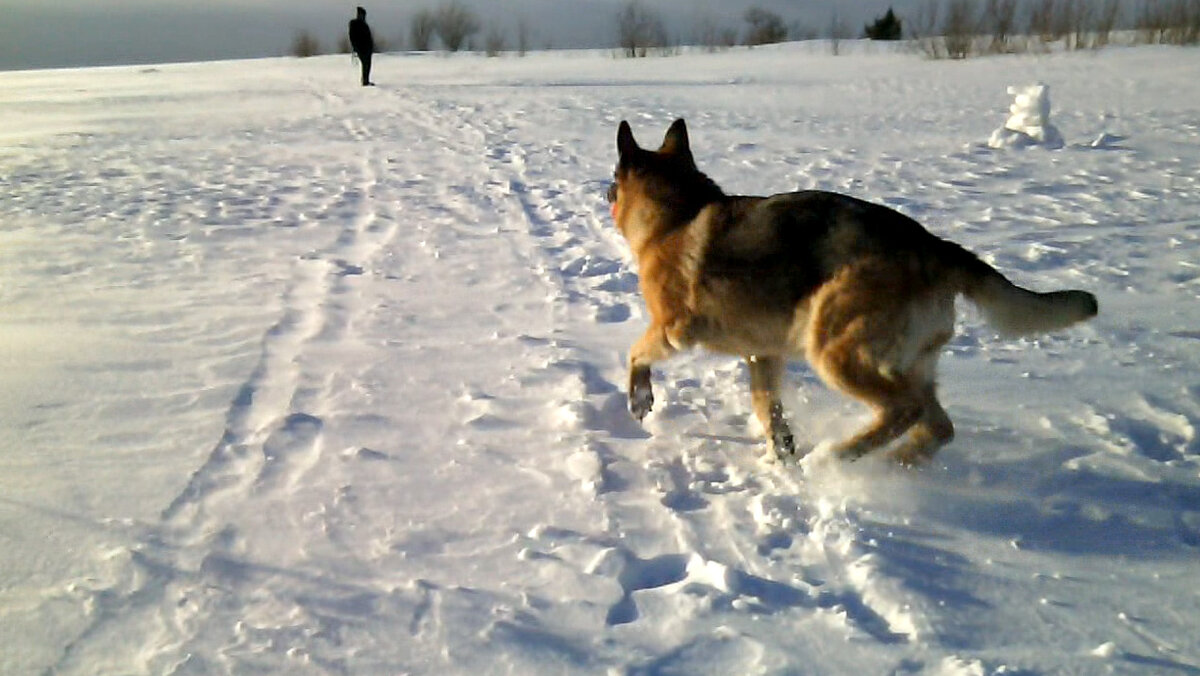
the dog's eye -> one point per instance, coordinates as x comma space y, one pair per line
612, 193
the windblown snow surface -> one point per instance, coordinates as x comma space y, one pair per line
302, 377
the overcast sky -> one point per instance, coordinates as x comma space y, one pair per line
56, 33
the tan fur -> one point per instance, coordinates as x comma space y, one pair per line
862, 292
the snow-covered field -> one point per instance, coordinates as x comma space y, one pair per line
300, 377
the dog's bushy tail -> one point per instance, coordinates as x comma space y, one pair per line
1016, 311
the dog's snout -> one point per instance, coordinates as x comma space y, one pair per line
612, 193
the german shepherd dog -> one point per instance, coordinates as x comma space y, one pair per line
863, 292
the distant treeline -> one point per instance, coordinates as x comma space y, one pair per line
958, 29
937, 28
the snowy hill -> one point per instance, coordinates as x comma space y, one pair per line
301, 377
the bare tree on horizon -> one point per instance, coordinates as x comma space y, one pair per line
455, 24
422, 29
639, 29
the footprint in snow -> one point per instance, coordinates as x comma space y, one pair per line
290, 450
635, 574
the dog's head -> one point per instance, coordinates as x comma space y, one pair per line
657, 190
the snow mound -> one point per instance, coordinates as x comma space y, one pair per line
1028, 121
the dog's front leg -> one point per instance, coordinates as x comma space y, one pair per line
651, 347
766, 373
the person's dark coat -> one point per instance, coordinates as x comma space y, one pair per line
360, 34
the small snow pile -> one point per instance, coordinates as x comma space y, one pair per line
1106, 140
1028, 121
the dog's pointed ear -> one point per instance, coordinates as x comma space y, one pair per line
625, 142
676, 142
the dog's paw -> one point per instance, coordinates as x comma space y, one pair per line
641, 400
786, 453
783, 445
912, 456
779, 436
641, 394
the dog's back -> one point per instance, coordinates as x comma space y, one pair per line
786, 246
764, 258
801, 239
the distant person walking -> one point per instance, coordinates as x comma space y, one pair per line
362, 43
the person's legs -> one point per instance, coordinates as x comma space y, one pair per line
365, 59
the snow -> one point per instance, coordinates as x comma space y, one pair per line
301, 377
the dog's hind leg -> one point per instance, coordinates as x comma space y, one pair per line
931, 432
766, 373
892, 419
874, 333
897, 402
934, 429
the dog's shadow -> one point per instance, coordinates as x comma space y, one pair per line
1080, 509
